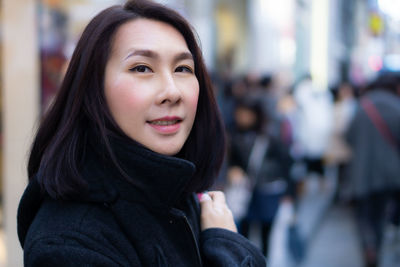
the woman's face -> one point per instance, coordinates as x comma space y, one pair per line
150, 85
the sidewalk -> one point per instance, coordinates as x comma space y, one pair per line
312, 207
335, 242
329, 230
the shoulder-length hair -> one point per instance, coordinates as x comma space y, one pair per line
57, 150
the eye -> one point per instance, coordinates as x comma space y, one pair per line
184, 69
141, 68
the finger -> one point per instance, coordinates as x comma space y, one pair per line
217, 197
205, 197
205, 204
205, 201
219, 203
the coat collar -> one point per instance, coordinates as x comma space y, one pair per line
150, 178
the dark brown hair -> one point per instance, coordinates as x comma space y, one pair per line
80, 105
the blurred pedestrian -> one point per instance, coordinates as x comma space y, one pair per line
314, 125
132, 135
338, 152
264, 162
374, 171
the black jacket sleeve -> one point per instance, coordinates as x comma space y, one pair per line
222, 247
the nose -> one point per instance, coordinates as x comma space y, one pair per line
169, 93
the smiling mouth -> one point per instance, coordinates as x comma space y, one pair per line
164, 122
166, 125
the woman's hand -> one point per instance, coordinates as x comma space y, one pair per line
215, 212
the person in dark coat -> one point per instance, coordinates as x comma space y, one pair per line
265, 161
134, 133
374, 170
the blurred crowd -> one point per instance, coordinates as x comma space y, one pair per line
280, 137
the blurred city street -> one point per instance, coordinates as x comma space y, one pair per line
330, 232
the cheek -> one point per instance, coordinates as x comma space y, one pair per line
122, 95
193, 101
193, 98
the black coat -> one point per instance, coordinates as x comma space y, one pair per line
375, 163
276, 163
271, 181
152, 222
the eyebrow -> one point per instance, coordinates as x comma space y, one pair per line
183, 56
154, 55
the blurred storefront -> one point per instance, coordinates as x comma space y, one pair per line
371, 34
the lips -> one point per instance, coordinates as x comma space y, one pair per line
167, 120
166, 125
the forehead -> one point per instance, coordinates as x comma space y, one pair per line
147, 34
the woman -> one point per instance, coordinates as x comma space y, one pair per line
116, 161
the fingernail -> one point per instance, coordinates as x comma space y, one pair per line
205, 197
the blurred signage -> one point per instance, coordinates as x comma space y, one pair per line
376, 24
